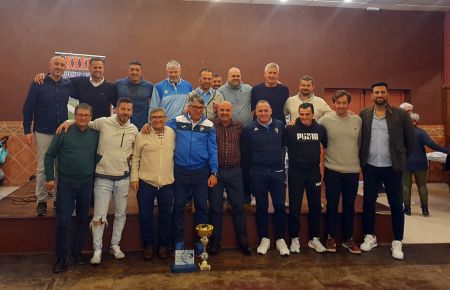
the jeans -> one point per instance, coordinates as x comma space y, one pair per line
264, 181
421, 181
42, 143
298, 181
231, 179
72, 195
188, 184
393, 183
335, 184
103, 190
145, 198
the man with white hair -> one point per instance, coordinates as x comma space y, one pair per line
170, 94
272, 91
409, 108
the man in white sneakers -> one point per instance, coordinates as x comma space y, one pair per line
304, 140
387, 137
112, 175
263, 143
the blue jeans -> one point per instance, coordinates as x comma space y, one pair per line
145, 198
104, 189
263, 182
71, 195
188, 184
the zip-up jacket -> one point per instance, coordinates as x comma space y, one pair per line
195, 146
170, 97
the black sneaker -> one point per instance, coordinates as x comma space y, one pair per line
41, 209
60, 265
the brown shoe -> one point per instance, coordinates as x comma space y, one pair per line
148, 253
331, 245
351, 246
163, 253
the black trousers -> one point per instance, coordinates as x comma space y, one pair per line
298, 181
335, 184
393, 183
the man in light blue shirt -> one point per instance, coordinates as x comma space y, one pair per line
170, 94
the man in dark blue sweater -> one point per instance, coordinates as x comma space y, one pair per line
93, 90
263, 143
272, 91
46, 106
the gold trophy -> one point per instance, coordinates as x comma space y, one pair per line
204, 231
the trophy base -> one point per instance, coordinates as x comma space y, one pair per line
183, 268
204, 266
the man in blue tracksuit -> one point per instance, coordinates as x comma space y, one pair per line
196, 166
170, 94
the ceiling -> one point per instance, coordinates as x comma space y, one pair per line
410, 5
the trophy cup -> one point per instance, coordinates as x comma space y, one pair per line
204, 231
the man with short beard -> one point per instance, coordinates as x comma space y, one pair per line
305, 95
387, 138
138, 90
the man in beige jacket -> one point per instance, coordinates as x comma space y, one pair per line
152, 176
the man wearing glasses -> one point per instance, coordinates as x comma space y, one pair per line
196, 165
75, 151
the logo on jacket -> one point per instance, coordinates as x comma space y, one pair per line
276, 130
255, 129
202, 128
166, 92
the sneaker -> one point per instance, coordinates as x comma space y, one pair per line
41, 209
96, 257
331, 245
316, 245
198, 249
264, 246
351, 246
282, 247
396, 250
115, 250
370, 242
295, 246
253, 201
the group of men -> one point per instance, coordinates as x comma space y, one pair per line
198, 143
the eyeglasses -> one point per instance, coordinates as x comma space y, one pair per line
158, 117
197, 107
83, 115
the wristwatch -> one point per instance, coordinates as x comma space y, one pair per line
214, 173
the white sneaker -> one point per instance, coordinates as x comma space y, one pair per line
253, 201
396, 250
316, 245
295, 246
96, 257
115, 250
264, 246
370, 242
282, 247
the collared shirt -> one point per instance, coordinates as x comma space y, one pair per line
228, 143
267, 126
96, 84
205, 95
320, 106
379, 154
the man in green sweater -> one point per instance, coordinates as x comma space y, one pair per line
75, 151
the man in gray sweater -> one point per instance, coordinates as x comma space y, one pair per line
341, 169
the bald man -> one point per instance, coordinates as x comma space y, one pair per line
46, 107
239, 95
229, 178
